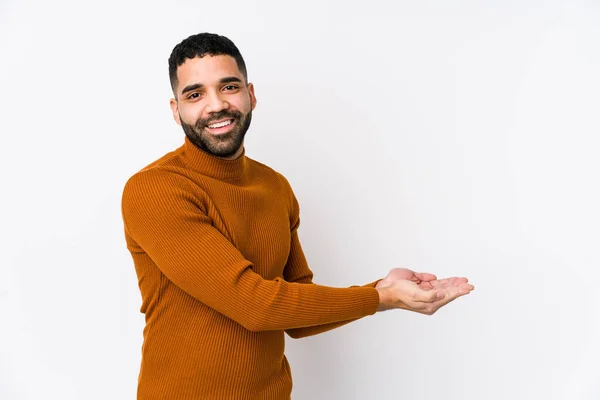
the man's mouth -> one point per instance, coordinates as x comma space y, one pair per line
220, 124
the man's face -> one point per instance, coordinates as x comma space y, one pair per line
213, 104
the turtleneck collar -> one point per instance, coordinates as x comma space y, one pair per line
213, 166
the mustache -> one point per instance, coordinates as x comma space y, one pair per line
203, 123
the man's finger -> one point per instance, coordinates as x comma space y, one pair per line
425, 277
455, 291
466, 288
446, 282
428, 296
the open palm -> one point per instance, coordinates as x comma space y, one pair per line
422, 292
450, 286
422, 279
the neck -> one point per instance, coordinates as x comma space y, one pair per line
232, 168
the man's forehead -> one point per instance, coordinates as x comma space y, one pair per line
207, 70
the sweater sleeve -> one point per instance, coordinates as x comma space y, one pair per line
164, 216
297, 270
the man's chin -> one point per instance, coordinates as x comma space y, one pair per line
222, 145
223, 150
225, 154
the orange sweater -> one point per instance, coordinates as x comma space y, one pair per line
222, 276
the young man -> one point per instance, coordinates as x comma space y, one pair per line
214, 239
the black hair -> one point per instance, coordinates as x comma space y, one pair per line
200, 45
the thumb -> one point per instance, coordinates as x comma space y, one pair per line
383, 283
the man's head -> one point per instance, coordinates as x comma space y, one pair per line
213, 100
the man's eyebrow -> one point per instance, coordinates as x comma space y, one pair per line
194, 86
191, 87
231, 79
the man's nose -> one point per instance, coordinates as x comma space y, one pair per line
215, 102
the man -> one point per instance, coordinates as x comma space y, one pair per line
214, 239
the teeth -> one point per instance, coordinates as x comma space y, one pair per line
221, 124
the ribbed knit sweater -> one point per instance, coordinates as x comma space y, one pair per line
222, 276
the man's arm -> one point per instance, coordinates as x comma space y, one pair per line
401, 288
163, 214
297, 270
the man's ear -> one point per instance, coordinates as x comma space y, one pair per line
252, 95
175, 110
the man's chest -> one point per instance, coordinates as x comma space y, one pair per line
256, 221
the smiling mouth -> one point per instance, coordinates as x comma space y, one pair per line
220, 124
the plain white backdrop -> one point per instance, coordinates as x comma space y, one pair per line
459, 138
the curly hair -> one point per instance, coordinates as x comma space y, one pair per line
200, 45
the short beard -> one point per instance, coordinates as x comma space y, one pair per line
224, 145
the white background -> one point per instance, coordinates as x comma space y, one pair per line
455, 137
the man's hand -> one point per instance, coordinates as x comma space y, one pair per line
422, 279
419, 292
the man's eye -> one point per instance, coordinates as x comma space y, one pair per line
194, 96
230, 87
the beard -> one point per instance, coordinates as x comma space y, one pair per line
224, 145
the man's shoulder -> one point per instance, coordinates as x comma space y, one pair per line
171, 158
158, 172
